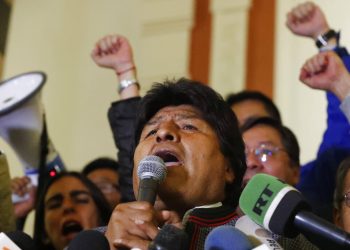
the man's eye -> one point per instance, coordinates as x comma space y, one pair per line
152, 132
189, 127
265, 151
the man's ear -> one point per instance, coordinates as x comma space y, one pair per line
229, 175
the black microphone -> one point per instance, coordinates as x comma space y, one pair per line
151, 171
281, 209
89, 240
21, 239
170, 238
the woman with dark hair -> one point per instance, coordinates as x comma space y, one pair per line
68, 204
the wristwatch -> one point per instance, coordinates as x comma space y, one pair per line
123, 84
322, 40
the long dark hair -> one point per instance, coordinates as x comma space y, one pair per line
40, 235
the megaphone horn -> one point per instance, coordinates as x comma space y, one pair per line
22, 123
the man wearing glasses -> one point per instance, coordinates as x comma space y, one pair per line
270, 148
103, 172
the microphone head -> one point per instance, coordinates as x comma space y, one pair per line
152, 167
227, 238
272, 204
22, 240
89, 240
170, 238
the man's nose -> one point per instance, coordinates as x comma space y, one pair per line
253, 161
168, 131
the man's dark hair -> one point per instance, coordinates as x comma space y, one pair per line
289, 140
215, 112
251, 95
100, 163
40, 235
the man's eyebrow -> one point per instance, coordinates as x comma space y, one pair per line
185, 116
267, 143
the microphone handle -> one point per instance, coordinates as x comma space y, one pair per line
148, 190
321, 232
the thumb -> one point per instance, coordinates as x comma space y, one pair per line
304, 74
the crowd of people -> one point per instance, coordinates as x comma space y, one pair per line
211, 148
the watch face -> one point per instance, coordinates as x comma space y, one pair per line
126, 83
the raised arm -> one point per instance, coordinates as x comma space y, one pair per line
307, 19
115, 52
325, 71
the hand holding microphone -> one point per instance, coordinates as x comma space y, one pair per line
135, 224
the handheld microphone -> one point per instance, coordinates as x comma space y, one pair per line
151, 171
89, 240
16, 240
227, 238
257, 235
170, 238
281, 209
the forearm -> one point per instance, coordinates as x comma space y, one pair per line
122, 116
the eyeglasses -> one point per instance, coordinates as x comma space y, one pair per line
346, 198
263, 152
107, 187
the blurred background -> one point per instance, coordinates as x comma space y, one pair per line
229, 44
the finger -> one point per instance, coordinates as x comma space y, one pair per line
308, 66
310, 8
290, 19
315, 65
305, 12
304, 74
169, 217
103, 45
109, 42
149, 229
298, 13
18, 184
115, 39
322, 61
95, 52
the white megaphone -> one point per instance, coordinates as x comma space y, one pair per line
23, 127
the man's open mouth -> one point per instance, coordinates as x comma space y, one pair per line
169, 158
